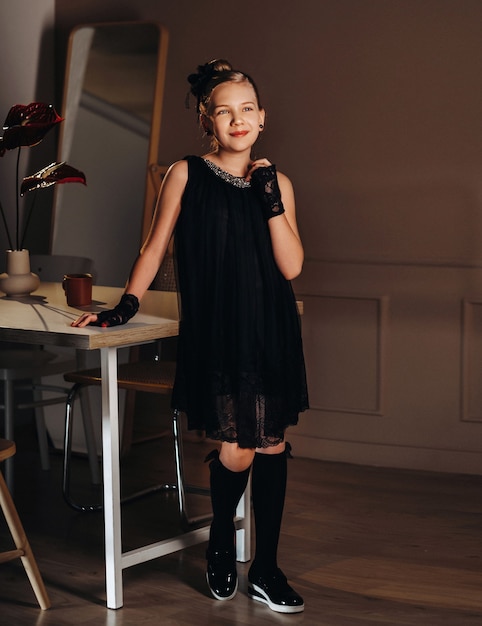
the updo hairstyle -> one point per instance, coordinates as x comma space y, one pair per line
209, 76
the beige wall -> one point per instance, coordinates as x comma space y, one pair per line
370, 94
374, 112
27, 74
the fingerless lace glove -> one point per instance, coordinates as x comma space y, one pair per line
265, 182
120, 314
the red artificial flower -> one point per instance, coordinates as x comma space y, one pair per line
27, 125
55, 173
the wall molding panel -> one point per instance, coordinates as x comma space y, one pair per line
345, 339
471, 361
394, 363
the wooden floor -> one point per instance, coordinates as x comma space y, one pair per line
364, 546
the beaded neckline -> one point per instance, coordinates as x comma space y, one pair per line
237, 181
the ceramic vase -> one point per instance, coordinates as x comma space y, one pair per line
18, 280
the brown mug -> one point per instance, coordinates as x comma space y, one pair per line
78, 289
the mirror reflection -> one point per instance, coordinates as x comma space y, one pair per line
112, 107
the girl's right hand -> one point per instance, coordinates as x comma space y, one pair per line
265, 181
256, 165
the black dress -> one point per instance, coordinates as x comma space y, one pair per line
240, 369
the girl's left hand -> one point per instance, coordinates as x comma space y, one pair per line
256, 165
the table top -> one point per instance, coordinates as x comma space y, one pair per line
44, 318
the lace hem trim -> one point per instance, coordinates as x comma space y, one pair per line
237, 181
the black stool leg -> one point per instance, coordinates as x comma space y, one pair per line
186, 521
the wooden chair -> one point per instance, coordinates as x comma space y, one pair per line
23, 550
21, 363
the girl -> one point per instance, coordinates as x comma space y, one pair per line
240, 370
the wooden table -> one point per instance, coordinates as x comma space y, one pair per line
44, 318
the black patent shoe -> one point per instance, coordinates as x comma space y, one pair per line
275, 591
221, 574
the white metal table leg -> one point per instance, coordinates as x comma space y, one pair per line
115, 560
111, 476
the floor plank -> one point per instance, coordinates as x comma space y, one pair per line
363, 545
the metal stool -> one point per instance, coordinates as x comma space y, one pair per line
151, 376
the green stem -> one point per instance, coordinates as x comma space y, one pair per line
17, 233
6, 226
27, 222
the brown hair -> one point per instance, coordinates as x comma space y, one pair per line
212, 74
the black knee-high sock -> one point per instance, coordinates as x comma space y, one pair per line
227, 487
268, 491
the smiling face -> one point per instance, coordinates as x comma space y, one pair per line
234, 116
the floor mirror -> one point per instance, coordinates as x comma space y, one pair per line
112, 109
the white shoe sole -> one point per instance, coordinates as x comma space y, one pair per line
222, 598
256, 593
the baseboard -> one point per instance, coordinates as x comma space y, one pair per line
395, 456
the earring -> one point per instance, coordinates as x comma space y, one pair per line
261, 126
